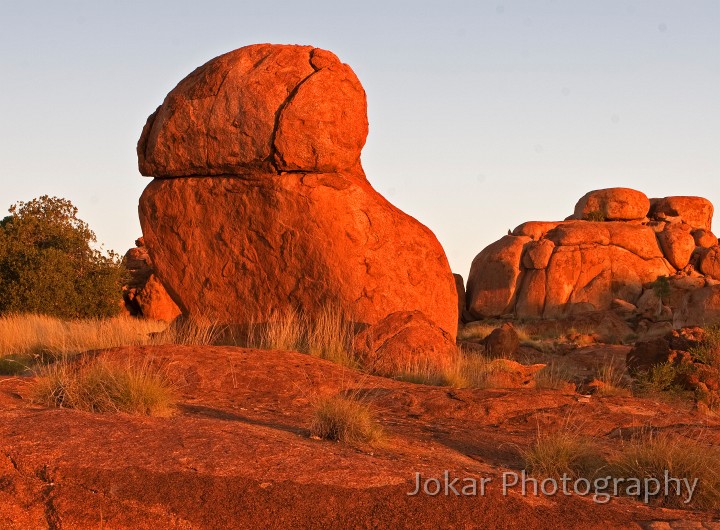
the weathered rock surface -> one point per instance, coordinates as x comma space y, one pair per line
612, 204
558, 268
241, 250
269, 210
502, 342
710, 263
144, 295
264, 107
493, 277
695, 211
677, 244
404, 342
237, 454
699, 307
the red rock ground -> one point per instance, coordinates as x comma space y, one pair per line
237, 454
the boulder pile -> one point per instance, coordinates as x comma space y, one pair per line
143, 294
650, 259
260, 205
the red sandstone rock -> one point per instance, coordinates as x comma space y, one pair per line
537, 254
700, 307
677, 244
695, 211
613, 204
502, 341
710, 263
704, 238
278, 216
144, 295
241, 249
154, 301
405, 342
493, 277
535, 229
262, 107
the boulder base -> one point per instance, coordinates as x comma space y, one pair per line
241, 249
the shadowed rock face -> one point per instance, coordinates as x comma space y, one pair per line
609, 252
260, 204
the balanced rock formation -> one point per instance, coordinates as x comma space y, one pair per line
260, 204
615, 251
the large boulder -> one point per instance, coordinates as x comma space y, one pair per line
575, 267
264, 107
695, 211
243, 249
268, 209
493, 278
612, 204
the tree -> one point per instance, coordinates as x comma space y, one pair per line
48, 263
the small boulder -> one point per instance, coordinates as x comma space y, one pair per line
402, 342
704, 238
502, 342
506, 373
710, 263
677, 244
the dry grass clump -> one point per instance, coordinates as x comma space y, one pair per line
612, 381
194, 331
328, 335
479, 330
555, 376
27, 340
32, 334
561, 453
345, 419
652, 456
465, 370
101, 385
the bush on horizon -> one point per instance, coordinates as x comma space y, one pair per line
48, 263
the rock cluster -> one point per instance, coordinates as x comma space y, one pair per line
650, 258
260, 205
143, 294
692, 355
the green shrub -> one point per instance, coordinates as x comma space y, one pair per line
48, 264
661, 286
661, 377
596, 216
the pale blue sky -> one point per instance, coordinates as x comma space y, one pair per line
483, 114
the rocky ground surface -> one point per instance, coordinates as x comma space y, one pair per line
237, 452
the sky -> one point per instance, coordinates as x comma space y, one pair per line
483, 114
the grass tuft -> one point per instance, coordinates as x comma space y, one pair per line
345, 419
100, 385
651, 456
562, 453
